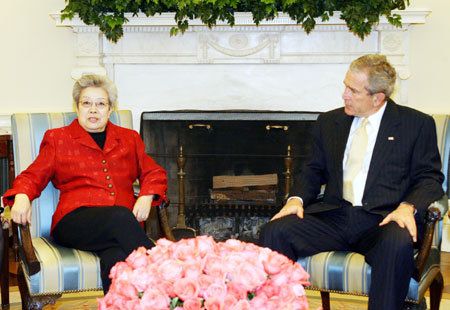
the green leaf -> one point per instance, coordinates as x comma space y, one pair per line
359, 15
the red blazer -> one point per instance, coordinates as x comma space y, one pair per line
87, 175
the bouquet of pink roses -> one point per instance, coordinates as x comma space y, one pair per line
201, 274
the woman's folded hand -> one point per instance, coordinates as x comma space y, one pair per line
21, 209
141, 208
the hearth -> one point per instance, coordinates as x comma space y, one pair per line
265, 148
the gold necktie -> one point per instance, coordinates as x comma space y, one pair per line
355, 160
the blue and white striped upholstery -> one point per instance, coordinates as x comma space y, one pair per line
63, 269
348, 273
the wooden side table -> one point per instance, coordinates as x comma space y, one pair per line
6, 151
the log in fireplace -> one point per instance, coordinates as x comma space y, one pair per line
196, 146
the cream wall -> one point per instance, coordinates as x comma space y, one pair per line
430, 59
40, 80
36, 58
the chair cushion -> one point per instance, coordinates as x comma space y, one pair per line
63, 269
348, 273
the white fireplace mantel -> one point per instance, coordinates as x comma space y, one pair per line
275, 65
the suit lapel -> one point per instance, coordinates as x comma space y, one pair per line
384, 142
341, 132
82, 136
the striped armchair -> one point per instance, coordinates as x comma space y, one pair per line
46, 269
348, 273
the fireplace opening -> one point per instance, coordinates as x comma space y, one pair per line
197, 147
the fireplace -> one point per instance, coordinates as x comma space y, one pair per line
196, 146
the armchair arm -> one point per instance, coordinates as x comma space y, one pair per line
164, 222
162, 214
27, 250
435, 213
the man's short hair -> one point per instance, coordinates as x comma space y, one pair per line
380, 73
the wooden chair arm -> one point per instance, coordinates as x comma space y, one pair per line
27, 250
164, 221
433, 215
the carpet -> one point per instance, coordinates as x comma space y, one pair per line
87, 301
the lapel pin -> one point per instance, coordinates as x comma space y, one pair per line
391, 138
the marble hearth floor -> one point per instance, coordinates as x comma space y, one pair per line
87, 301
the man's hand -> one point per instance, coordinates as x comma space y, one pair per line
141, 208
404, 217
293, 206
21, 209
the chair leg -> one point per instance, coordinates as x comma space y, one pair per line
33, 302
436, 288
325, 300
4, 259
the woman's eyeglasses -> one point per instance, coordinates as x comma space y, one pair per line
99, 105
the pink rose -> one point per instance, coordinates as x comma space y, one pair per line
258, 301
134, 304
276, 263
274, 303
216, 290
163, 243
280, 278
192, 269
154, 299
242, 305
286, 294
232, 245
229, 302
250, 276
213, 304
231, 261
185, 288
192, 304
118, 299
237, 290
184, 250
138, 258
118, 269
170, 270
141, 280
269, 289
213, 266
252, 253
204, 281
301, 303
123, 288
166, 287
298, 289
299, 274
205, 245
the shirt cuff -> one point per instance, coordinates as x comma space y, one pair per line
295, 197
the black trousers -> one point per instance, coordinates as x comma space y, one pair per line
111, 232
388, 249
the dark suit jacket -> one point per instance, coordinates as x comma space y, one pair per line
405, 165
87, 175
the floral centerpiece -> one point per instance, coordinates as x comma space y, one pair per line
199, 273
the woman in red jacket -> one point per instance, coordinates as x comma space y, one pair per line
94, 164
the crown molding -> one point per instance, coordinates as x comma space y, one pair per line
409, 16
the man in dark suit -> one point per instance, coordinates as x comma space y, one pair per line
381, 167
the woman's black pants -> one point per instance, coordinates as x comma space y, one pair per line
110, 232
